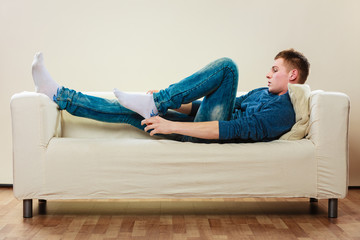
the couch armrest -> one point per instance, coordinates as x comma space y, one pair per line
328, 130
35, 120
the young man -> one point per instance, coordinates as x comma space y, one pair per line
263, 114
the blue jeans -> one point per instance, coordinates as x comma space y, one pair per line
216, 82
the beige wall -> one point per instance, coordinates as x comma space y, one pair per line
139, 45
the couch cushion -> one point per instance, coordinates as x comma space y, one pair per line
299, 95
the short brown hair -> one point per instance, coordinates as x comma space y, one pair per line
297, 60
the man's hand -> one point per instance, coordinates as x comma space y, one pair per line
158, 125
205, 130
152, 91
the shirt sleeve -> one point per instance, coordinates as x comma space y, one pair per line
268, 124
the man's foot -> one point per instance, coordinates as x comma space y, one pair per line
42, 79
140, 103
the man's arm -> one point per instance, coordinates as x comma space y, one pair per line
205, 130
185, 108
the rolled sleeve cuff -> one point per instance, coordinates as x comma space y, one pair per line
225, 132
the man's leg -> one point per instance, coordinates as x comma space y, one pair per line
219, 104
220, 74
79, 104
216, 82
105, 110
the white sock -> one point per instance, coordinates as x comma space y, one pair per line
42, 79
140, 103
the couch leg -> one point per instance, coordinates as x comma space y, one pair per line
42, 207
27, 208
333, 208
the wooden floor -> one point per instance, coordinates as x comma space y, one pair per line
247, 218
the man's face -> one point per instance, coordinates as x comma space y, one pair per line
278, 78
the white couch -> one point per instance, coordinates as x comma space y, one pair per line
59, 156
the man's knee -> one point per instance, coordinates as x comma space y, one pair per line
231, 67
229, 63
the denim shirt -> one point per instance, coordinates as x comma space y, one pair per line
259, 116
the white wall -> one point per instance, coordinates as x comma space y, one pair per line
137, 45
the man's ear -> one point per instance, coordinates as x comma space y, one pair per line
293, 75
